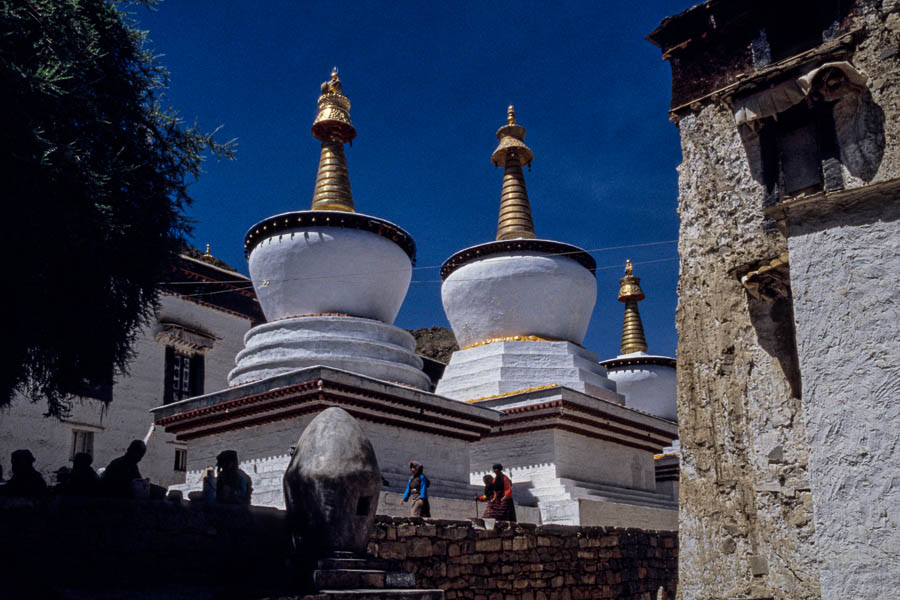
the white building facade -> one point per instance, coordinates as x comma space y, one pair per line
187, 350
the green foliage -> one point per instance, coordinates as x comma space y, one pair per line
95, 184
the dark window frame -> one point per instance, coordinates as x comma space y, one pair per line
184, 375
75, 447
180, 460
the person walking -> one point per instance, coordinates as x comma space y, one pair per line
500, 502
417, 491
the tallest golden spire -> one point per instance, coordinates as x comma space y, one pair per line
512, 154
334, 129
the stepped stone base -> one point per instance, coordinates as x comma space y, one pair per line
363, 346
602, 513
345, 575
372, 595
507, 367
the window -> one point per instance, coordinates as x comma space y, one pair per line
82, 441
799, 151
183, 377
180, 459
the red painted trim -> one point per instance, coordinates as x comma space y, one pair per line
569, 405
233, 414
576, 430
314, 406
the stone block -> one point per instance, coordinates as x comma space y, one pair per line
759, 566
426, 530
439, 548
489, 545
454, 533
418, 547
406, 530
609, 541
392, 550
522, 542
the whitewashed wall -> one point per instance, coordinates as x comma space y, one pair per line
845, 270
126, 418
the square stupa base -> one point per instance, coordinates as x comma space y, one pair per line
502, 368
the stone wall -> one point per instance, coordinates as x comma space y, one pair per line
528, 562
80, 548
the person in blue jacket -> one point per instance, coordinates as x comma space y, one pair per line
417, 491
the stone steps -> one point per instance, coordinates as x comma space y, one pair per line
567, 489
373, 594
353, 563
342, 579
345, 575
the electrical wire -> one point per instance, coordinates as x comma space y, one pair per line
310, 278
250, 286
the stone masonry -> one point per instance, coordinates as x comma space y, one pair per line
528, 562
107, 549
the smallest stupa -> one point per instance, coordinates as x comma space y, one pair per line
646, 380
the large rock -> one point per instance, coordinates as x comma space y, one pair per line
332, 484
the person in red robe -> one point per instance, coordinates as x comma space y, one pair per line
500, 503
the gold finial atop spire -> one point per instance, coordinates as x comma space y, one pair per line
630, 293
512, 154
334, 129
207, 254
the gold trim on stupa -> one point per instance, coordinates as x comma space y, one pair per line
513, 338
512, 154
334, 129
630, 293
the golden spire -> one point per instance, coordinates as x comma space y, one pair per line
512, 154
333, 128
630, 293
207, 254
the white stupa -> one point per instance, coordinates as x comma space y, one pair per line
646, 380
330, 281
519, 306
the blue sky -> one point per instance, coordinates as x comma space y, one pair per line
429, 84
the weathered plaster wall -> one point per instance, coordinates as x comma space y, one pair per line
755, 458
744, 495
844, 272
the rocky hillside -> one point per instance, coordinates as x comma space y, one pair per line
435, 342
